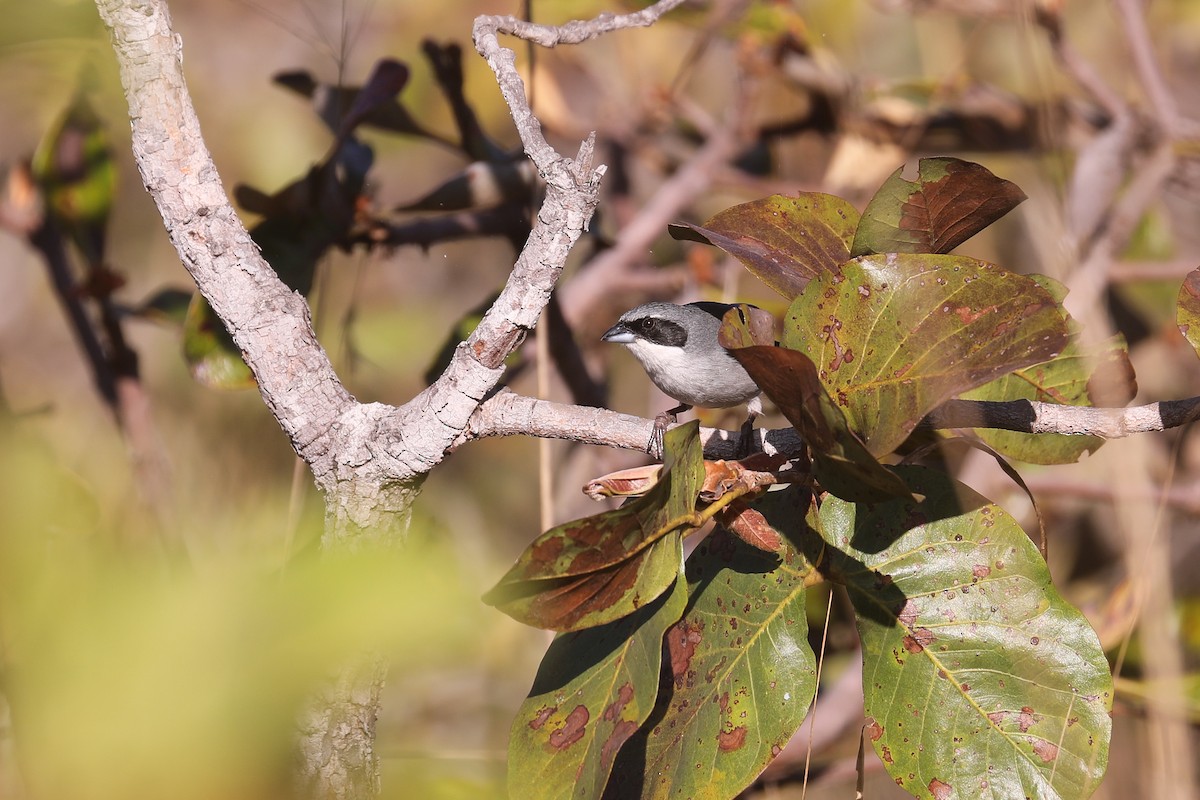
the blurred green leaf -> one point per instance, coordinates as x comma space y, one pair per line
130, 675
978, 676
593, 690
166, 306
895, 336
740, 676
74, 168
598, 569
950, 201
784, 241
210, 352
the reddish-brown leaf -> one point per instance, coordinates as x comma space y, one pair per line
950, 201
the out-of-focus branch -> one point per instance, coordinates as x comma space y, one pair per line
112, 362
613, 267
1133, 19
49, 244
1103, 210
506, 221
1182, 498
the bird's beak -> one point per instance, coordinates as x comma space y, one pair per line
618, 333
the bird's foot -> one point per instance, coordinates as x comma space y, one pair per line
747, 441
662, 421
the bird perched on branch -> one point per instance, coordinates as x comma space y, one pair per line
677, 346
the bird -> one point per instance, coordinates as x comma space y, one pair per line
677, 347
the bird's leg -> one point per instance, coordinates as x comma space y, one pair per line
661, 421
746, 442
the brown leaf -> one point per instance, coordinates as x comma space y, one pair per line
749, 525
950, 201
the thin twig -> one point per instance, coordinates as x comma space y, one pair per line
1133, 18
49, 244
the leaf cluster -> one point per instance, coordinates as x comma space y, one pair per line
676, 677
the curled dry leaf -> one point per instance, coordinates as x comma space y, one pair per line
624, 482
749, 475
720, 477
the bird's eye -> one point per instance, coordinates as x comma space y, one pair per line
647, 323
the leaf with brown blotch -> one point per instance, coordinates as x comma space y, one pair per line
784, 241
896, 335
740, 671
950, 201
748, 524
841, 463
593, 690
966, 640
601, 568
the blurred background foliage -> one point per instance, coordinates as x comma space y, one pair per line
145, 657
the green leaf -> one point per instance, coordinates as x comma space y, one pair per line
1069, 379
979, 678
598, 569
895, 336
210, 352
784, 241
1188, 309
949, 202
593, 690
1099, 375
740, 676
841, 463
